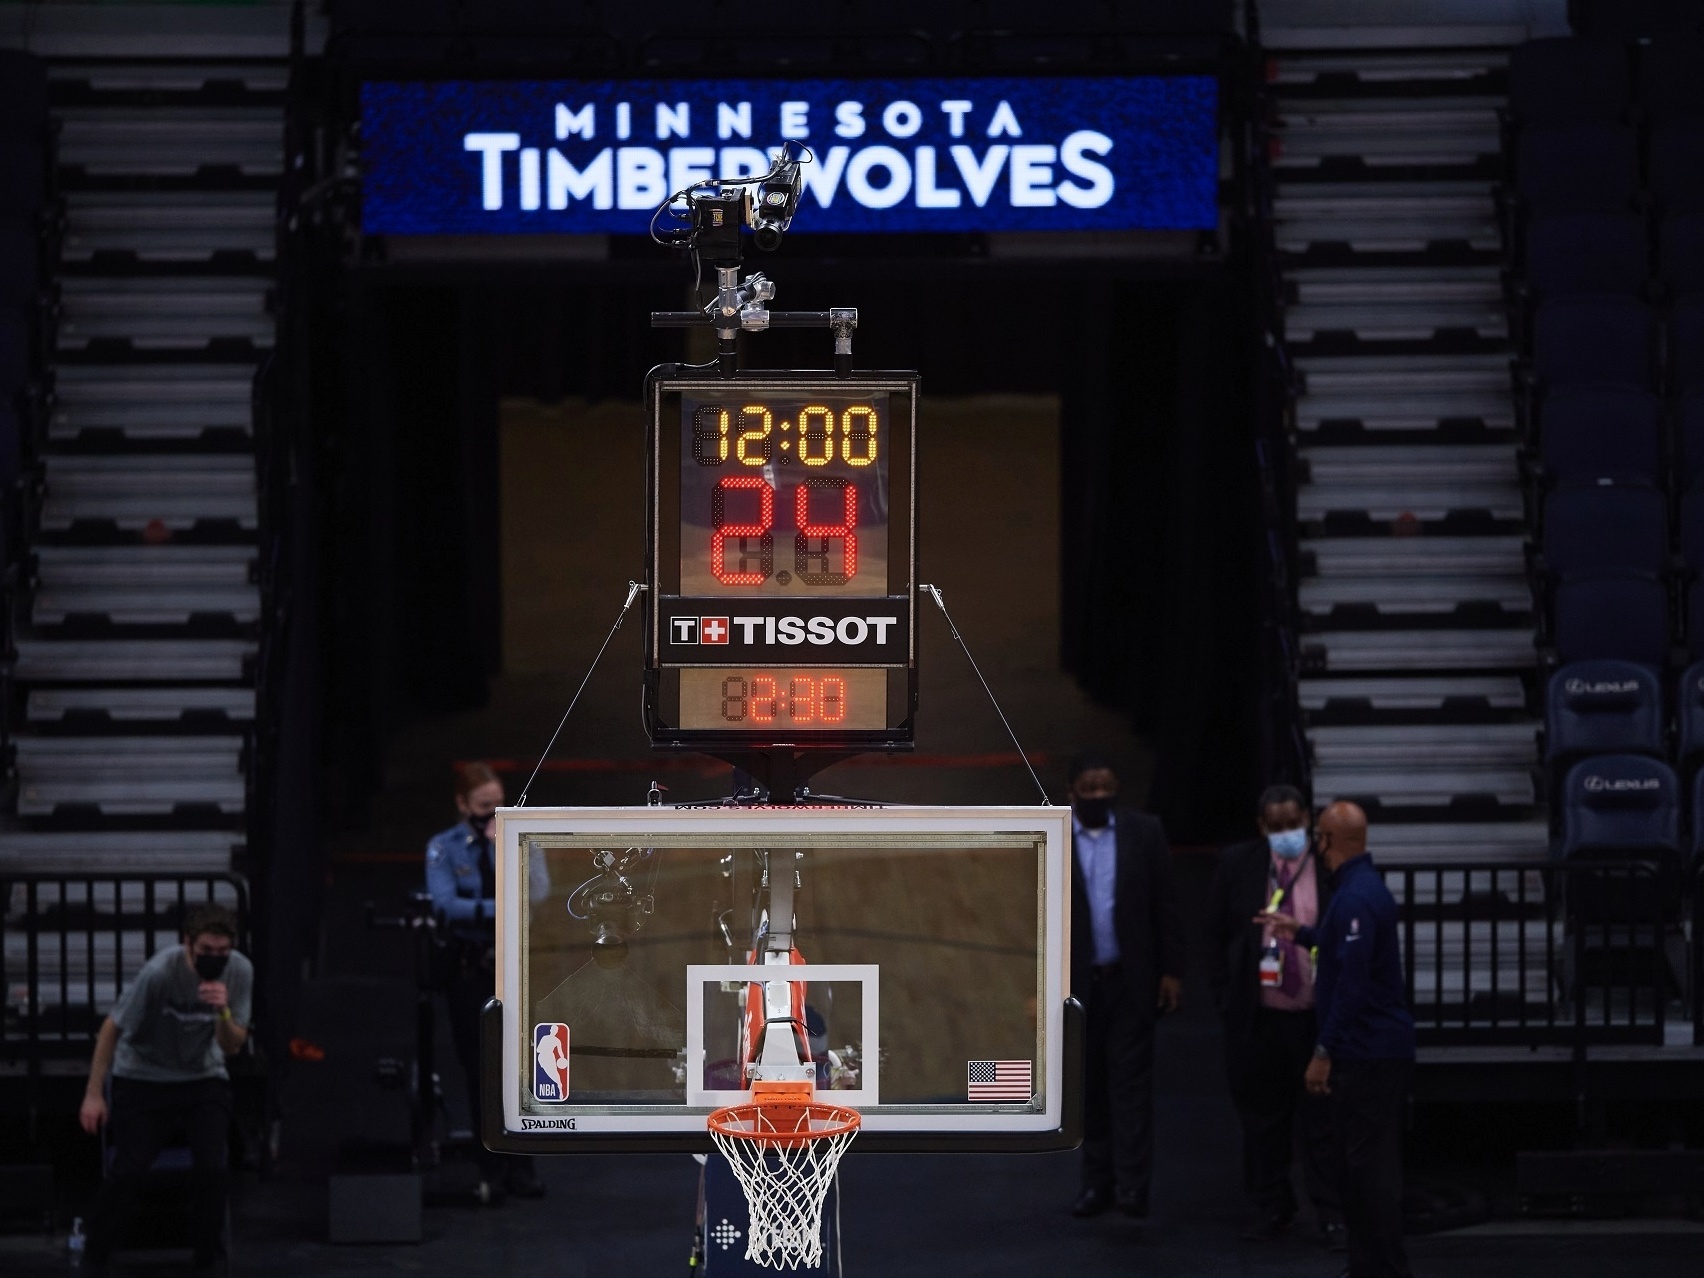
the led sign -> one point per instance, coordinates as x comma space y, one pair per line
479, 157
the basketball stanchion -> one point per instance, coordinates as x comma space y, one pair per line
784, 1147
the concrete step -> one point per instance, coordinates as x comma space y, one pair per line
1366, 651
152, 401
1387, 131
1404, 392
1426, 746
142, 705
132, 660
174, 226
1385, 217
1405, 786
129, 776
145, 585
1400, 596
1420, 556
176, 491
1409, 694
1395, 303
118, 851
1370, 67
171, 141
164, 313
1401, 843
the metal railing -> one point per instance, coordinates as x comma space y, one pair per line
1566, 953
71, 943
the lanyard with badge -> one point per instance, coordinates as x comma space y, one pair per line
1272, 955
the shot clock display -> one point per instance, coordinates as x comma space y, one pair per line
782, 529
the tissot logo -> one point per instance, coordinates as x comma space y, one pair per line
1620, 785
789, 631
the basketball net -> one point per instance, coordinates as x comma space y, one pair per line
784, 1147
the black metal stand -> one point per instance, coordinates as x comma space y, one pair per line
743, 307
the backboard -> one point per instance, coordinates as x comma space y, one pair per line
929, 963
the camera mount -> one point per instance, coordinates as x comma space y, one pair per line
715, 215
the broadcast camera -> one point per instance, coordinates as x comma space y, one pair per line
713, 215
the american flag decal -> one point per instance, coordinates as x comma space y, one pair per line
999, 1080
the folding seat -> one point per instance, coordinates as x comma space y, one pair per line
1618, 616
1565, 78
1586, 251
1605, 525
20, 263
1594, 339
1686, 344
1677, 164
1602, 707
1589, 165
1620, 804
1670, 86
1594, 432
1633, 19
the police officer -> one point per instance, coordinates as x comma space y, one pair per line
461, 875
1365, 1055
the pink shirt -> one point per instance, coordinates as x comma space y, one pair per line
1300, 901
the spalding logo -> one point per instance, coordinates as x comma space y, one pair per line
1579, 687
1621, 785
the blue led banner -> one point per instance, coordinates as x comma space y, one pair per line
503, 157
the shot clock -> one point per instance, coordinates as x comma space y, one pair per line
782, 535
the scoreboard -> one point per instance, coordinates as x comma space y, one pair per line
782, 536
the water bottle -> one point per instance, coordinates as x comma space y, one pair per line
75, 1241
1271, 966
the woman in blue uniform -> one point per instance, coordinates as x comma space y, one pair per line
461, 875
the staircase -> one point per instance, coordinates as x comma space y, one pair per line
1417, 655
137, 630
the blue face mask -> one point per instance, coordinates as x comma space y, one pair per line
1288, 844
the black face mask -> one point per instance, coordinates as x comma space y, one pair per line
210, 967
1092, 813
480, 825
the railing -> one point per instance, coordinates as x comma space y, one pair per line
71, 943
1567, 953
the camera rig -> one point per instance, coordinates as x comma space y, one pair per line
710, 222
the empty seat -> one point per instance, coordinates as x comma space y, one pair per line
1633, 19
1566, 78
1594, 339
1686, 344
1621, 805
1592, 165
1605, 525
1677, 164
1692, 530
1618, 616
1591, 432
1670, 85
1602, 707
1586, 251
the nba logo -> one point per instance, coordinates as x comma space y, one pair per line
550, 1062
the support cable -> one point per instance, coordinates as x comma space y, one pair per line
934, 593
633, 589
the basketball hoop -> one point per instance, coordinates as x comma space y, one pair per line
784, 1147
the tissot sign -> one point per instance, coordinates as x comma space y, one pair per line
476, 157
821, 632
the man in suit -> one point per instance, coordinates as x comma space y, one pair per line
1269, 1015
1127, 968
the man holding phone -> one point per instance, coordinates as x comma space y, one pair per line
164, 1045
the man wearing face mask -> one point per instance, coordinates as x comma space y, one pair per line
461, 875
1127, 968
164, 1045
1263, 987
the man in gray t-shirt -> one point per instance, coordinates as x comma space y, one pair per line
164, 1045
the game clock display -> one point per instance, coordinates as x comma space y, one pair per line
782, 552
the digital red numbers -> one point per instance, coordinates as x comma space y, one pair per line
804, 554
796, 700
743, 575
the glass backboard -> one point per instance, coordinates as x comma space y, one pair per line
928, 970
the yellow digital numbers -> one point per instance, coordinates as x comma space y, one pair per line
764, 449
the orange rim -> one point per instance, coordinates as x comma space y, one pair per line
741, 1122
